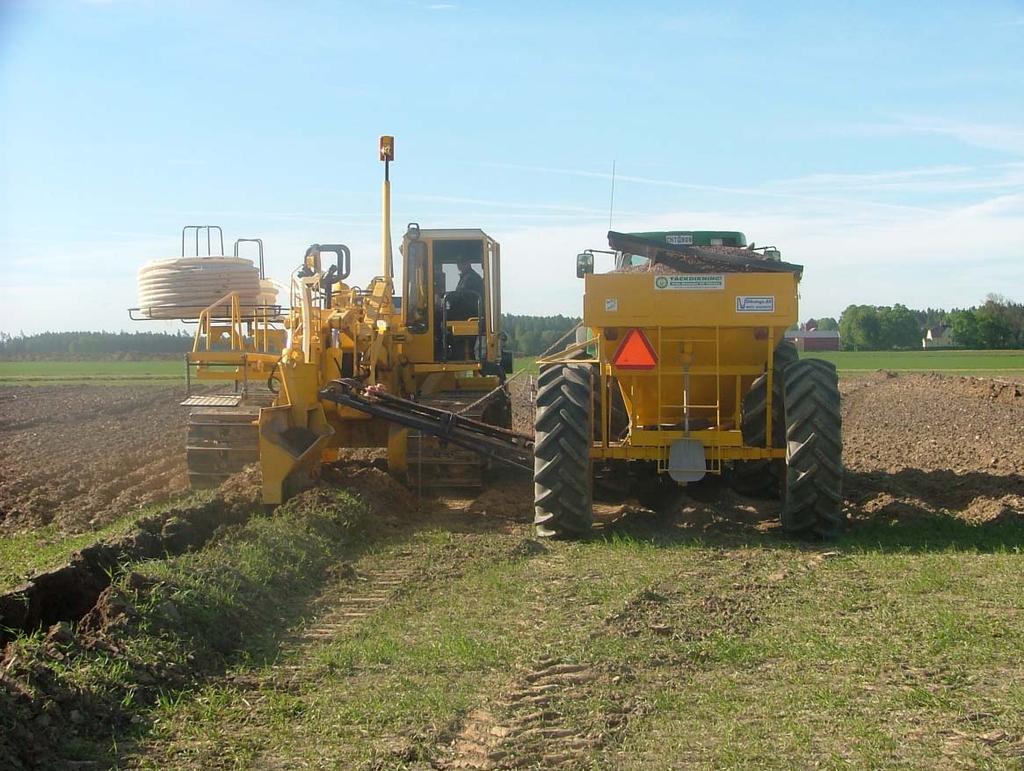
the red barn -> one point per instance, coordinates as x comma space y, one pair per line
814, 340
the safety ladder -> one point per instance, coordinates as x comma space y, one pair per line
672, 415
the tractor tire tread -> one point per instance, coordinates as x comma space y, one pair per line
813, 505
563, 490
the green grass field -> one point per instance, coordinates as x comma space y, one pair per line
886, 649
171, 371
853, 363
155, 372
993, 363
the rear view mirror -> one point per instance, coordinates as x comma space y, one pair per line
584, 264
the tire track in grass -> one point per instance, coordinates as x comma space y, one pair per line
568, 711
527, 728
557, 711
563, 714
350, 598
371, 586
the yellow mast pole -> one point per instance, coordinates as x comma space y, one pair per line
387, 154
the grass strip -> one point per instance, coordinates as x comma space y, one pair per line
164, 627
25, 554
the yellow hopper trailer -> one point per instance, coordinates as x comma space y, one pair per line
685, 372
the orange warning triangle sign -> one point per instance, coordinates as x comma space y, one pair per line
635, 352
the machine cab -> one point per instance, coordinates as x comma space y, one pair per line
451, 304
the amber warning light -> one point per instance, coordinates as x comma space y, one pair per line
635, 352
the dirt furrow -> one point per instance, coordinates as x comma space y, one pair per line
145, 484
69, 452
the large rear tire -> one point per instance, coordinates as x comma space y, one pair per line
765, 478
813, 499
563, 479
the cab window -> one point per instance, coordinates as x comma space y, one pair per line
627, 260
447, 255
417, 306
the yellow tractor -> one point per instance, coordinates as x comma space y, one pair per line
683, 371
348, 367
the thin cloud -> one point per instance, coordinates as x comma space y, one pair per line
500, 204
225, 214
934, 179
988, 136
875, 177
850, 255
750, 191
1000, 206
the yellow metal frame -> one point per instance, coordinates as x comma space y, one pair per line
336, 331
678, 325
243, 361
418, 346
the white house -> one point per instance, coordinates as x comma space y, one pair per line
940, 336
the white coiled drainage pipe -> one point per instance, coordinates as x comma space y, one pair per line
268, 292
182, 287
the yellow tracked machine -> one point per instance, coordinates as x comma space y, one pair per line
683, 371
421, 374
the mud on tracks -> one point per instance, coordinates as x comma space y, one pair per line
352, 597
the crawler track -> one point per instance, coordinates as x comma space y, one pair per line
354, 599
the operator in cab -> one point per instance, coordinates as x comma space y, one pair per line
465, 304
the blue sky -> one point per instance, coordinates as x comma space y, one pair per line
879, 144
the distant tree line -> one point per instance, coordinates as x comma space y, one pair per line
92, 344
997, 323
527, 336
533, 335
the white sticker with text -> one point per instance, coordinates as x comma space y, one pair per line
698, 281
755, 304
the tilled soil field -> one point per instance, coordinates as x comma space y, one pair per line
928, 443
78, 456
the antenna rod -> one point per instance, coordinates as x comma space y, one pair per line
611, 206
